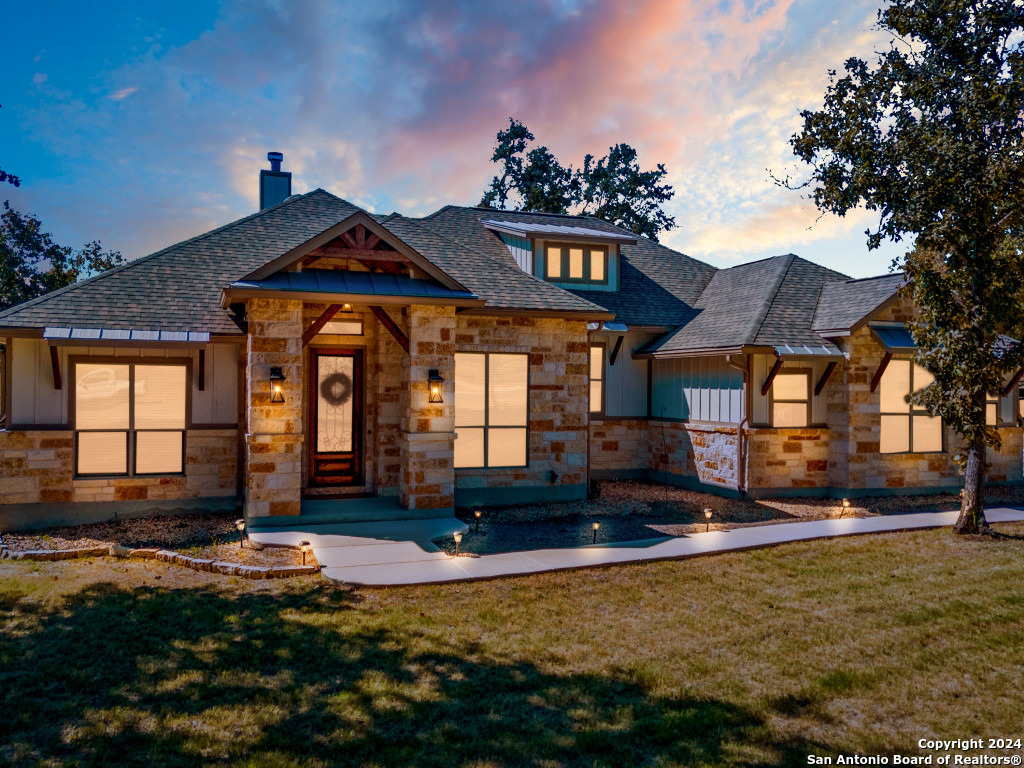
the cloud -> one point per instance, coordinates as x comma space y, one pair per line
122, 93
39, 78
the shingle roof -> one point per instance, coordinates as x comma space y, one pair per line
179, 288
657, 285
764, 303
843, 305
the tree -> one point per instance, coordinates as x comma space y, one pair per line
929, 136
31, 264
612, 188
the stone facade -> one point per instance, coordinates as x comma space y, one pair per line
781, 460
558, 400
274, 431
38, 467
618, 447
694, 452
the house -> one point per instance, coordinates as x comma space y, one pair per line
314, 351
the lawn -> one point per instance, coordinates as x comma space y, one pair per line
756, 658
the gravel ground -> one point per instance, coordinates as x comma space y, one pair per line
635, 510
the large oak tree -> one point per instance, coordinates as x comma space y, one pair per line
928, 135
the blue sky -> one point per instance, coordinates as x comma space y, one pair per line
142, 124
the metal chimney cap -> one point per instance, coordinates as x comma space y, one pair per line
275, 159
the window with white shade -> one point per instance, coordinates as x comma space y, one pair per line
576, 263
791, 399
491, 409
906, 428
597, 352
130, 418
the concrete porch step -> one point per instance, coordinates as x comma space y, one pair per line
355, 510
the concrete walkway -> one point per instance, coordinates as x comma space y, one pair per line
391, 553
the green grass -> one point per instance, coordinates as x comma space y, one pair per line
760, 658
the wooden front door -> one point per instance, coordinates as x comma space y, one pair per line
336, 417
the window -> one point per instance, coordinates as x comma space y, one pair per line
343, 327
992, 410
575, 263
597, 378
130, 418
791, 399
490, 410
905, 427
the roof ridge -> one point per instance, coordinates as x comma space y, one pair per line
515, 270
506, 210
773, 295
144, 259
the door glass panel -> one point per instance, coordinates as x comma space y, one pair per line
102, 453
157, 453
335, 389
507, 384
506, 447
469, 390
160, 397
101, 396
469, 447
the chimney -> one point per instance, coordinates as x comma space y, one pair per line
275, 184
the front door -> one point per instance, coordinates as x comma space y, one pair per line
336, 415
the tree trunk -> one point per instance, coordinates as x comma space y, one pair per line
972, 506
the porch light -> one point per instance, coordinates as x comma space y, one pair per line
435, 381
346, 308
276, 377
596, 526
458, 540
240, 525
707, 518
304, 546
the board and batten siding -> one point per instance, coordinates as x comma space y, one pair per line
761, 366
697, 389
34, 401
521, 250
625, 388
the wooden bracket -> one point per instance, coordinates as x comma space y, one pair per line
615, 350
319, 323
771, 376
387, 322
824, 378
1013, 383
201, 383
877, 378
58, 383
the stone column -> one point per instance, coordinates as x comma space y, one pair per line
273, 461
427, 442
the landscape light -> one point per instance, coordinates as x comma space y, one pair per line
458, 540
846, 506
435, 381
707, 518
304, 546
596, 526
240, 525
276, 377
477, 516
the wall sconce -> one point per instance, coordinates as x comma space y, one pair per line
346, 308
435, 381
276, 377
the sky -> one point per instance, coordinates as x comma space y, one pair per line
142, 124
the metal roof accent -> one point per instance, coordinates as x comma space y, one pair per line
356, 283
805, 350
895, 338
526, 229
125, 334
619, 327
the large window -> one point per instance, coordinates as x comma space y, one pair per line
575, 263
906, 428
490, 410
597, 352
130, 418
791, 399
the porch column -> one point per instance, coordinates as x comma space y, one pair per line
273, 460
427, 441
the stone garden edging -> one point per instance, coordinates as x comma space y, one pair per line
167, 556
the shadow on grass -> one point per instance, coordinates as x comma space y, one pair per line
188, 677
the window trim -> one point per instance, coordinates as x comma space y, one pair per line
588, 250
911, 412
603, 345
807, 373
130, 442
487, 414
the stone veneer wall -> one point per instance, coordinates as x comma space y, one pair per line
688, 453
557, 400
274, 430
38, 467
787, 459
618, 446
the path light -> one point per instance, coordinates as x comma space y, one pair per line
596, 526
707, 517
477, 516
304, 546
276, 377
240, 525
458, 540
435, 381
846, 506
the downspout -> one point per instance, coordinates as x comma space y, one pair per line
741, 469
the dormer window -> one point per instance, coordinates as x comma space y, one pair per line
576, 263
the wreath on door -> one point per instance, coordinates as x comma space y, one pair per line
336, 389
